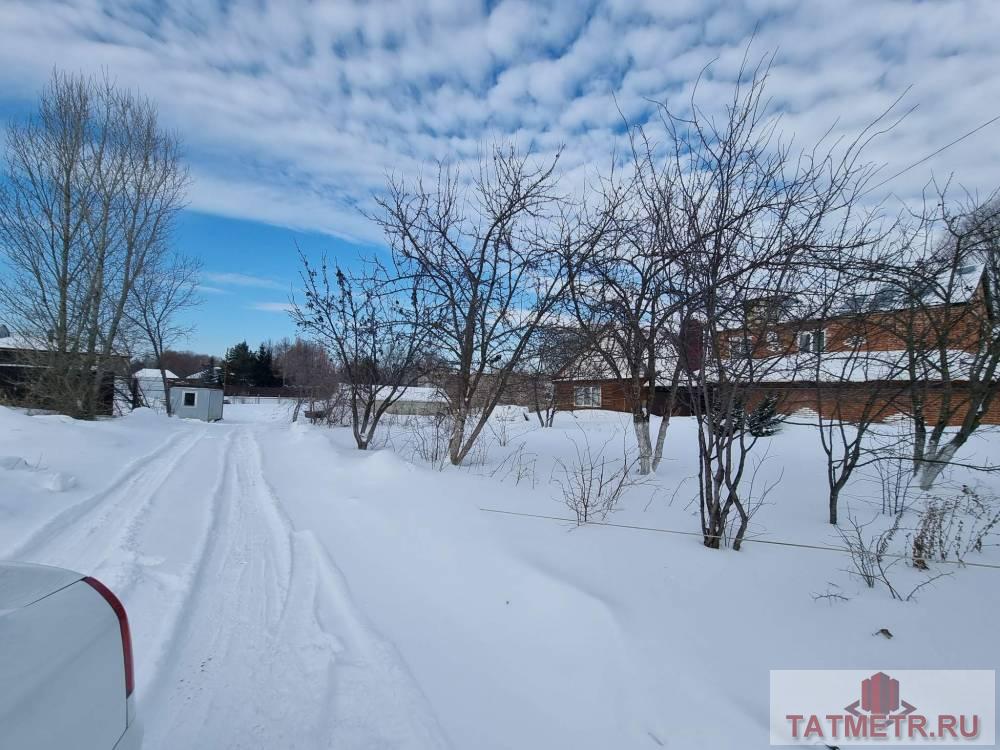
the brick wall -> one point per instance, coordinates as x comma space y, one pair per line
613, 395
878, 331
855, 401
847, 401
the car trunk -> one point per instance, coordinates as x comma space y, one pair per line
62, 682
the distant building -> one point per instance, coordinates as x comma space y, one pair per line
211, 374
148, 388
589, 381
855, 360
23, 360
851, 362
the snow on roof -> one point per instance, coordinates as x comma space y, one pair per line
592, 365
422, 393
150, 373
956, 286
856, 367
22, 342
950, 287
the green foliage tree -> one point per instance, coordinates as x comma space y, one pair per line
264, 374
244, 366
241, 364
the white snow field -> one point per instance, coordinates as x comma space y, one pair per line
288, 591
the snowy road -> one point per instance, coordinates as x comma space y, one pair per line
289, 591
245, 633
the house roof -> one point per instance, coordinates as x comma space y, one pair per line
207, 374
849, 366
20, 342
150, 373
189, 384
593, 365
944, 288
23, 343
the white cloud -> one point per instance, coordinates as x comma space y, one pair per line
293, 111
211, 290
226, 278
278, 307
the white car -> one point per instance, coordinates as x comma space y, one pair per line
66, 676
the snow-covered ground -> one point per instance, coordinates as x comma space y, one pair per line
289, 591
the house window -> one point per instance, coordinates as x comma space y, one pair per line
587, 396
740, 347
773, 342
190, 398
812, 341
855, 342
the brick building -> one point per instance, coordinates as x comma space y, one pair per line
881, 353
589, 382
854, 363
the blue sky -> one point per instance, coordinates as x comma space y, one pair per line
293, 112
250, 273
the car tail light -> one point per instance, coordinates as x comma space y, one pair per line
116, 605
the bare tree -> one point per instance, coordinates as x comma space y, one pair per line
848, 417
374, 328
552, 351
746, 214
623, 298
183, 363
160, 295
591, 484
91, 191
947, 326
306, 367
491, 256
843, 346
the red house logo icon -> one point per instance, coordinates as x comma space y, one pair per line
880, 697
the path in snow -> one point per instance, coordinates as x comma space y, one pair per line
245, 634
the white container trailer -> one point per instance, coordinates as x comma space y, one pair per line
196, 401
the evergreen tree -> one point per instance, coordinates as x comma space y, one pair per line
241, 364
213, 375
764, 420
761, 421
264, 375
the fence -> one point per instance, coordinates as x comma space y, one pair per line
250, 391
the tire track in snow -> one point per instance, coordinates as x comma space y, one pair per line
269, 651
173, 618
82, 524
368, 670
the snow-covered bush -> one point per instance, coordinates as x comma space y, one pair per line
874, 556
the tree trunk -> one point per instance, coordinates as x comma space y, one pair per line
661, 436
834, 500
640, 424
455, 452
929, 471
166, 392
713, 530
744, 521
